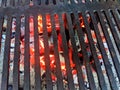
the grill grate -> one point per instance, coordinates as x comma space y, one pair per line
59, 45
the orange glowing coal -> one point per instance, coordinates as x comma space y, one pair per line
40, 25
41, 44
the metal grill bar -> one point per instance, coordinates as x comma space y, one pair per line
37, 55
57, 58
114, 33
6, 59
116, 18
116, 61
90, 76
76, 58
104, 55
17, 56
111, 78
91, 42
47, 58
27, 55
65, 53
85, 56
1, 24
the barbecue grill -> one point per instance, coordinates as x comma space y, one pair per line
59, 45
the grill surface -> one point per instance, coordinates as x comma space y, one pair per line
104, 21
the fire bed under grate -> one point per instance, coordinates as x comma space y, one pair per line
60, 45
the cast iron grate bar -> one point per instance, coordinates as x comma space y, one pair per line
90, 76
1, 25
27, 55
111, 77
76, 58
37, 55
16, 55
111, 47
115, 16
94, 54
85, 55
114, 32
65, 53
6, 59
46, 55
102, 49
60, 85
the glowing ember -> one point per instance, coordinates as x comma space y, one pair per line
40, 24
48, 23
